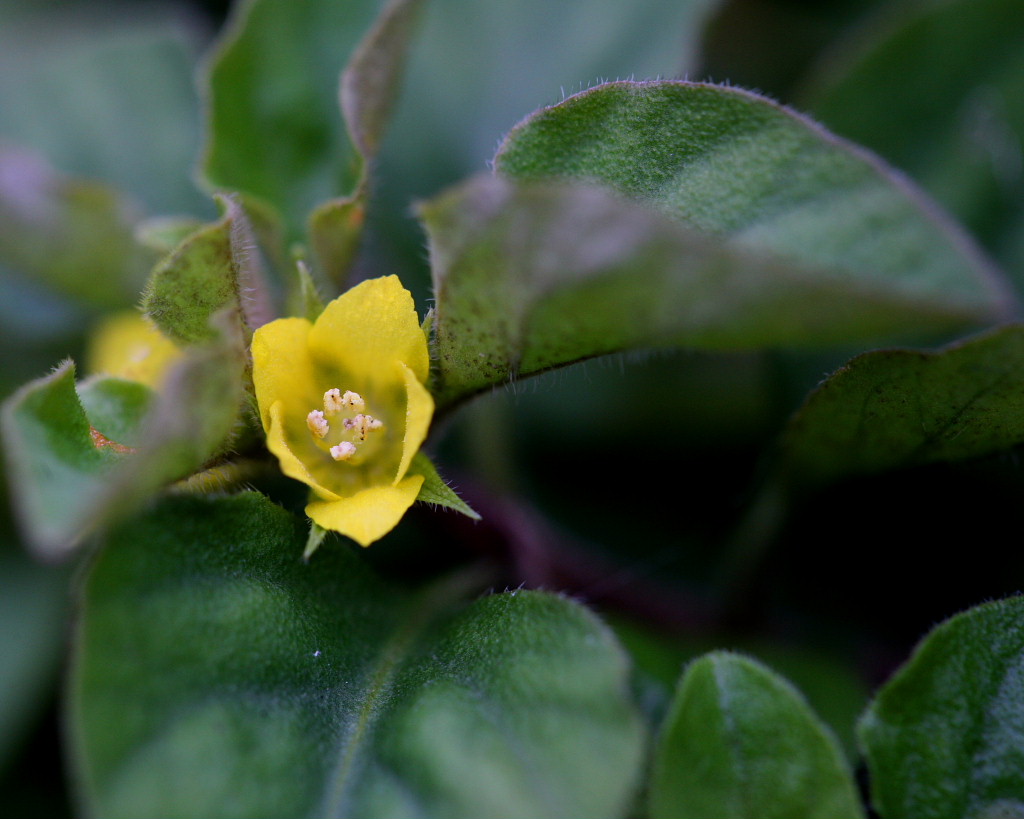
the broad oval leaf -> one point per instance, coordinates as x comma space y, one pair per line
943, 736
740, 742
901, 408
739, 165
748, 226
533, 276
209, 653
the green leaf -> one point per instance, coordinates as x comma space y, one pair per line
370, 82
107, 93
741, 743
117, 408
33, 626
943, 736
434, 490
899, 408
213, 269
193, 420
275, 131
57, 465
534, 276
768, 180
275, 687
74, 235
938, 89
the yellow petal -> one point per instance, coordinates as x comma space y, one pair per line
367, 328
419, 411
367, 515
281, 367
291, 464
126, 345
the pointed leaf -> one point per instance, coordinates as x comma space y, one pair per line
208, 652
274, 128
741, 743
74, 235
213, 269
57, 461
943, 736
533, 276
434, 490
194, 418
899, 408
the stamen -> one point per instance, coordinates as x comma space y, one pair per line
317, 424
362, 424
334, 401
343, 451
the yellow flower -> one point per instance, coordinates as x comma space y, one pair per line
128, 346
344, 407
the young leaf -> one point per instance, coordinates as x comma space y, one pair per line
193, 419
275, 131
741, 743
209, 653
533, 276
213, 269
943, 736
58, 461
898, 408
369, 87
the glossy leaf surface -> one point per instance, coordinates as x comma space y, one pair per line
943, 736
741, 743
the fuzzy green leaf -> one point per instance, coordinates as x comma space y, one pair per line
534, 276
900, 408
275, 131
938, 89
193, 420
74, 235
209, 653
943, 737
741, 743
58, 466
213, 269
434, 490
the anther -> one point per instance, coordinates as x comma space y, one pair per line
317, 424
362, 424
334, 401
343, 451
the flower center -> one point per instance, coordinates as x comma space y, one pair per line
342, 427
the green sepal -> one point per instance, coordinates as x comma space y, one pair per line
943, 736
317, 533
434, 490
